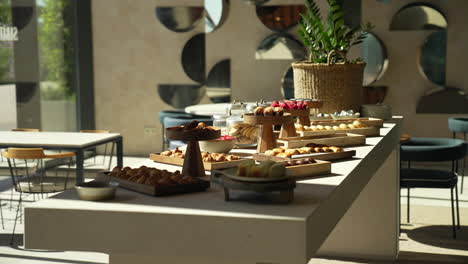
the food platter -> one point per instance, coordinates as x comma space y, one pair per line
345, 154
199, 186
365, 131
231, 173
207, 165
338, 139
369, 121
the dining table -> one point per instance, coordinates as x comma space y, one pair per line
351, 213
77, 142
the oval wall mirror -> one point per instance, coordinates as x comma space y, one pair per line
216, 12
181, 95
218, 83
433, 57
418, 17
374, 53
193, 58
280, 47
180, 18
287, 84
280, 18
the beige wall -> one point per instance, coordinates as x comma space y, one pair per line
133, 53
405, 83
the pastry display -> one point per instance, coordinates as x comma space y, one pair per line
269, 111
195, 126
206, 156
283, 152
151, 176
265, 169
354, 125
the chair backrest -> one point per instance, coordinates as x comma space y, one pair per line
458, 124
28, 170
433, 149
26, 130
95, 131
24, 153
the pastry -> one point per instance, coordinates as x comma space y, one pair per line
258, 111
278, 111
268, 111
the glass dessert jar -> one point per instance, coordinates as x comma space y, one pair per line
246, 135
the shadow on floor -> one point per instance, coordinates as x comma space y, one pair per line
439, 236
406, 257
35, 258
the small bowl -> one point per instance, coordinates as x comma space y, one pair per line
217, 145
96, 190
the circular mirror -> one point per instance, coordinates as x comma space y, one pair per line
179, 18
374, 54
280, 47
433, 57
193, 58
288, 84
216, 12
418, 17
218, 83
181, 95
280, 18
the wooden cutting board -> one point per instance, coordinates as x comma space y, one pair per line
365, 131
346, 154
207, 165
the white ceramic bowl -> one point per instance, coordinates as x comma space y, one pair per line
217, 146
96, 190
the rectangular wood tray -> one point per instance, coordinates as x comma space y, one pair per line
199, 186
346, 154
338, 139
366, 131
308, 170
375, 122
208, 165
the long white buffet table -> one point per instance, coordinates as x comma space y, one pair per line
352, 213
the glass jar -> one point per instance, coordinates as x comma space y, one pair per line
246, 135
236, 108
220, 122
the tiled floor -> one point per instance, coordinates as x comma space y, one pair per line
430, 211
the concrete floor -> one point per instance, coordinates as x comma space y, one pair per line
429, 209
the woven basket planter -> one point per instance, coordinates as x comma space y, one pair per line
338, 85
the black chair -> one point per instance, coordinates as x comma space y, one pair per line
459, 125
432, 150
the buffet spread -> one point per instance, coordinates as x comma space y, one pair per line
304, 146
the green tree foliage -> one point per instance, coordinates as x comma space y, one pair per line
332, 34
6, 47
55, 39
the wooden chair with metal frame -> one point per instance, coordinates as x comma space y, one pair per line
32, 177
105, 147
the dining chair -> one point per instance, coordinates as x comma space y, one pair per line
432, 150
31, 177
105, 148
459, 125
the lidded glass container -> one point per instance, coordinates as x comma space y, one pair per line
246, 134
220, 122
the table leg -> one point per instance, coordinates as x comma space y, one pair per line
120, 153
79, 166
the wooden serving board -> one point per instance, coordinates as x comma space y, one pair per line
199, 186
308, 170
346, 154
365, 131
207, 165
375, 122
338, 139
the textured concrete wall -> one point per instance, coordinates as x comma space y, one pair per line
133, 53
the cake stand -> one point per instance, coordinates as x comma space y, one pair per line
193, 164
266, 138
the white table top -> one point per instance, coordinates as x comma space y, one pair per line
210, 109
318, 205
52, 139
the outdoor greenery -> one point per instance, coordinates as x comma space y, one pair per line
6, 48
56, 49
322, 37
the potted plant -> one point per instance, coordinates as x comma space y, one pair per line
327, 74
